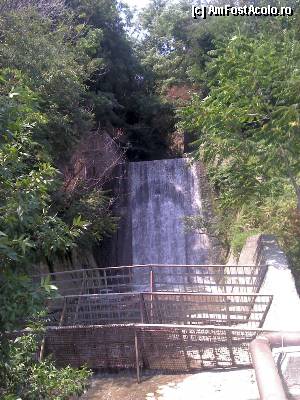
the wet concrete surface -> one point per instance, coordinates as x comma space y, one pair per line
219, 385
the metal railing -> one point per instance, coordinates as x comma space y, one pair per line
161, 278
269, 383
173, 348
161, 308
169, 317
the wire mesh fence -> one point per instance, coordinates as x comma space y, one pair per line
161, 308
205, 309
98, 347
166, 317
173, 348
162, 278
164, 347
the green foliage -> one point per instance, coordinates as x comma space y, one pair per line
20, 299
120, 93
250, 121
56, 60
31, 232
213, 227
165, 46
30, 229
175, 48
23, 378
94, 206
247, 128
55, 68
21, 375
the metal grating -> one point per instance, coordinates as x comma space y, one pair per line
176, 318
98, 347
105, 309
158, 347
161, 308
185, 349
162, 278
205, 309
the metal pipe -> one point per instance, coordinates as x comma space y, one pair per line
268, 380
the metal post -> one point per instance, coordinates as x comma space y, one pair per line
229, 334
137, 357
228, 319
105, 281
184, 350
151, 279
62, 317
141, 299
151, 296
42, 350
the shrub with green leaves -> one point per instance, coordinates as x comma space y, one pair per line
30, 229
247, 131
22, 377
30, 232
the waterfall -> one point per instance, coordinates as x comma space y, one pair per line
162, 193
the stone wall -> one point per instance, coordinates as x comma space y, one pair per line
99, 161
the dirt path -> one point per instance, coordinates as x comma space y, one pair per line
223, 385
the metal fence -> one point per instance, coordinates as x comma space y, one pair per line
166, 317
161, 278
178, 349
98, 347
158, 347
161, 308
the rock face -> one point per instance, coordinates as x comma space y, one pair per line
117, 250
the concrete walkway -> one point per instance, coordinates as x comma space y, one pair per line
220, 385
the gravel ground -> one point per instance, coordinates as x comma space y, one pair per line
223, 385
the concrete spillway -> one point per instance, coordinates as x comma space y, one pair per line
162, 193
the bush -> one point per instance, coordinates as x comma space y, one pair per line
23, 378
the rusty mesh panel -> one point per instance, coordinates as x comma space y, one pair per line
173, 278
91, 281
159, 347
103, 309
205, 309
209, 278
95, 346
185, 349
161, 308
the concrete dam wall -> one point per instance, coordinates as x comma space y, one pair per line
162, 193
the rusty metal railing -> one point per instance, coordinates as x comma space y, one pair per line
230, 279
161, 347
160, 308
267, 376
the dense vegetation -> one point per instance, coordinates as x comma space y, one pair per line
234, 84
247, 130
67, 68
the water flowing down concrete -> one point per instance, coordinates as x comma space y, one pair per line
162, 193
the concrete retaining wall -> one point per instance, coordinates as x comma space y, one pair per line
285, 310
284, 314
